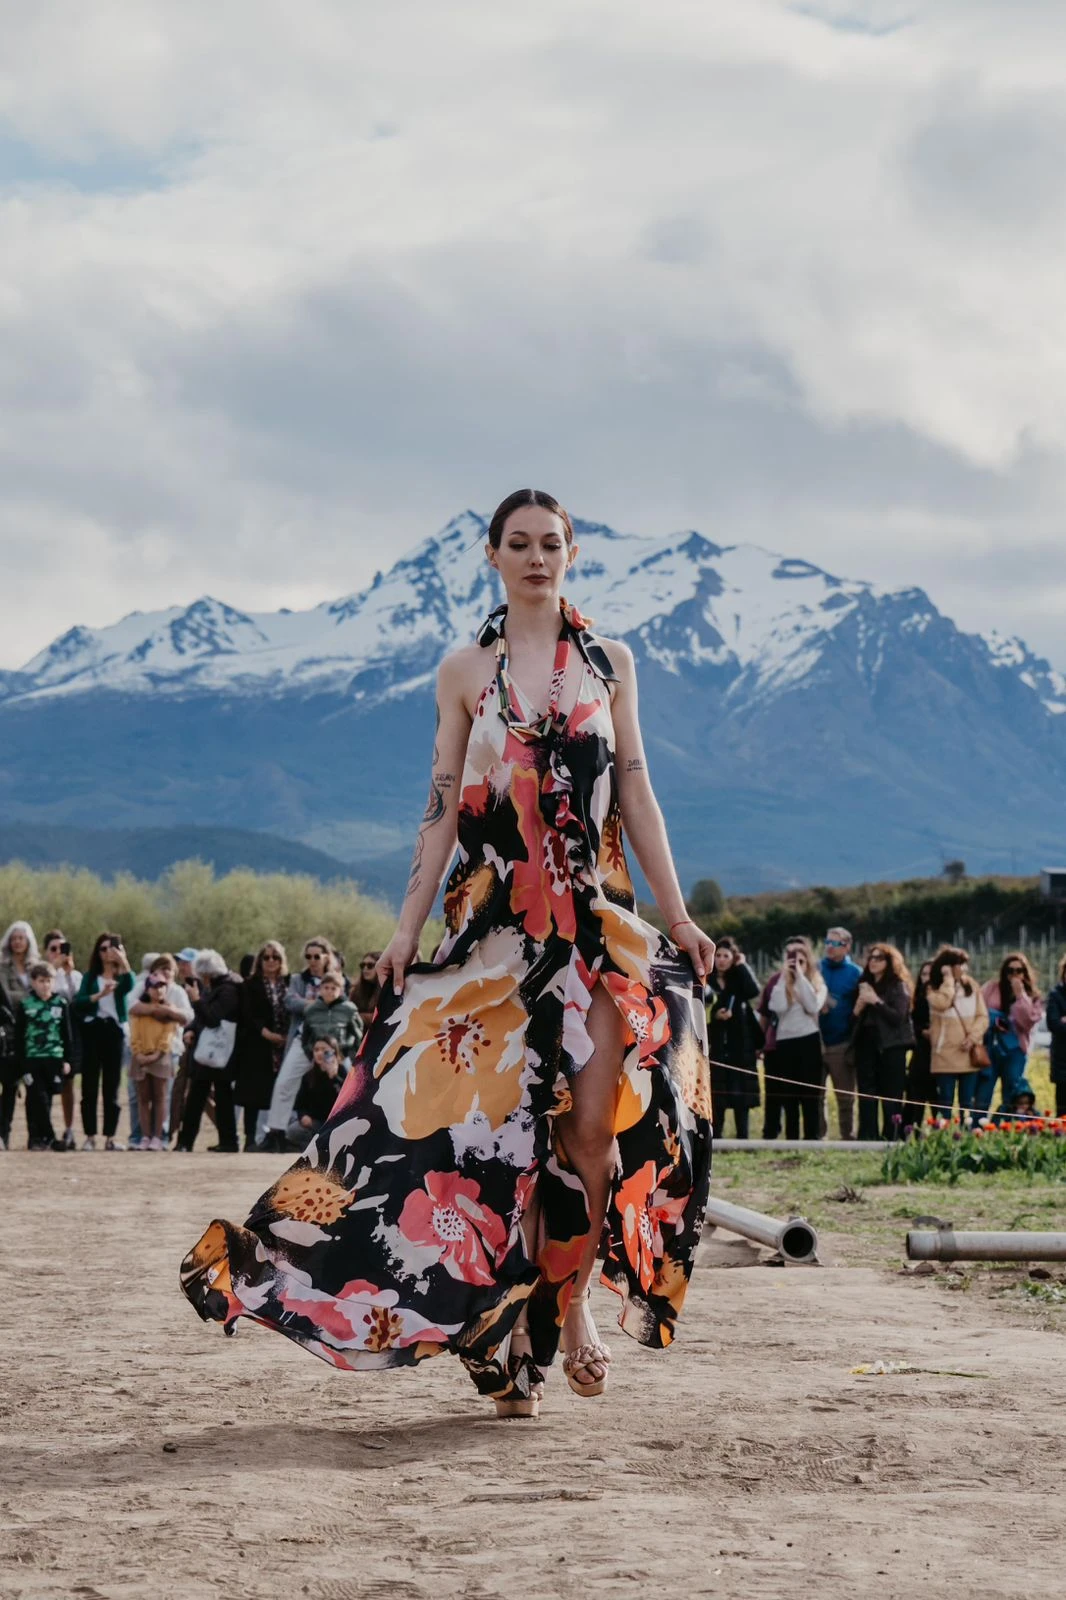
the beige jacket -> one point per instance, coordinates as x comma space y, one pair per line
951, 1034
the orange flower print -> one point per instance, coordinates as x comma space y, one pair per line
448, 1216
463, 1051
637, 1231
645, 1015
542, 895
384, 1326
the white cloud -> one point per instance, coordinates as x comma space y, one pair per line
283, 287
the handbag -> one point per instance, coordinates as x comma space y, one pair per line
979, 1056
214, 1047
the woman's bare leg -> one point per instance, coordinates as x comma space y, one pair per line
587, 1135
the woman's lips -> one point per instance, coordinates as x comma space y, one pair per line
538, 577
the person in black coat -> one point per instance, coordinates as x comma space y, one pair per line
262, 1029
734, 1036
9, 1065
1055, 1018
883, 1035
921, 1086
220, 1002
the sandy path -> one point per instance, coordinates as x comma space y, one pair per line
744, 1462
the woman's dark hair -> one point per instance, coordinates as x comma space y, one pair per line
96, 960
895, 968
247, 964
333, 1042
1006, 993
53, 933
949, 956
527, 497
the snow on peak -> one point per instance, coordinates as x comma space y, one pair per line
1015, 655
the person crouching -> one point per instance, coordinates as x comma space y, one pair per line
318, 1092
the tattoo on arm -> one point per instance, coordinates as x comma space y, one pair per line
635, 764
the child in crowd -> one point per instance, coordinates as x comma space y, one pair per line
157, 1017
43, 1047
332, 1016
318, 1092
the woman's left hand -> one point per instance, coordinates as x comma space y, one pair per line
697, 945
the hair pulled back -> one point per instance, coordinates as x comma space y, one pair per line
527, 497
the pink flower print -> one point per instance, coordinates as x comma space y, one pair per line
448, 1216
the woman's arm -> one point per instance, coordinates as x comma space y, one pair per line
942, 999
642, 818
435, 844
807, 994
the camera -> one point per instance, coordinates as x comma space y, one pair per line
64, 948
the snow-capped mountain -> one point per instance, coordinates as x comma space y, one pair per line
799, 724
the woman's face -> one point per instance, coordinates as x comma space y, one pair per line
797, 956
877, 962
534, 556
723, 959
367, 968
18, 944
926, 972
270, 962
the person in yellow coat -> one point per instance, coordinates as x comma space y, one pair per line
958, 1016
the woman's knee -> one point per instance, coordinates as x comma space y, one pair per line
587, 1133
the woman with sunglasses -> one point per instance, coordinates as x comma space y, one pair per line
883, 1035
959, 1021
101, 1009
365, 991
795, 999
1014, 1009
262, 1030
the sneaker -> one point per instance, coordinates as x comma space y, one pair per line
68, 1139
114, 1144
89, 1143
155, 1144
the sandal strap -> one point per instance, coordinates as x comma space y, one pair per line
584, 1355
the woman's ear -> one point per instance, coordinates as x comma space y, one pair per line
490, 555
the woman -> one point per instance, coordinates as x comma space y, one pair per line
958, 1020
883, 1034
366, 990
795, 1000
219, 1003
160, 1005
262, 1029
100, 1007
1014, 1009
67, 982
542, 1084
9, 1066
18, 952
1056, 1025
735, 1037
920, 1090
319, 958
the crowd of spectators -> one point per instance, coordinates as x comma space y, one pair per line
193, 1038
266, 1050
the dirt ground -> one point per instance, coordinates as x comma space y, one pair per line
144, 1454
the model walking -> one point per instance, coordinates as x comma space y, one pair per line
539, 1091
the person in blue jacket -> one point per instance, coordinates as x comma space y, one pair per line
842, 976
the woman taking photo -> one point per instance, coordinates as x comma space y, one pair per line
1014, 1009
958, 1021
542, 1085
882, 1037
262, 1029
735, 1037
101, 1011
795, 999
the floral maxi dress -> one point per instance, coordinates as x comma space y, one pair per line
397, 1234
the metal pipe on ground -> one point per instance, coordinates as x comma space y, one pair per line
944, 1244
801, 1144
794, 1240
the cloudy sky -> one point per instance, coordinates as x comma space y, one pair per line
285, 285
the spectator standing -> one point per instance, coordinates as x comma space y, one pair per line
318, 1091
220, 1003
101, 1008
795, 1002
366, 990
302, 990
1014, 1009
841, 976
43, 1045
9, 1066
920, 1091
186, 960
159, 1010
18, 953
331, 1016
883, 1035
1056, 1024
67, 982
734, 1037
262, 1034
958, 1022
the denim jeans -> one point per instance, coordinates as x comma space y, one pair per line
944, 1086
1008, 1066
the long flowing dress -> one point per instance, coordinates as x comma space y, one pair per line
398, 1235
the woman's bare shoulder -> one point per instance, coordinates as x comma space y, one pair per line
620, 656
463, 674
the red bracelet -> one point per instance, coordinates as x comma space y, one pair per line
682, 922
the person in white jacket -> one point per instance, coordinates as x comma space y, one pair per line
795, 1001
55, 947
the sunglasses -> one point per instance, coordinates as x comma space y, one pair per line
368, 966
836, 944
1015, 972
270, 955
878, 955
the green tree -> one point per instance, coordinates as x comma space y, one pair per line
706, 899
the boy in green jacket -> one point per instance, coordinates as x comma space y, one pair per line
43, 1046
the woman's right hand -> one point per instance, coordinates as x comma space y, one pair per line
395, 959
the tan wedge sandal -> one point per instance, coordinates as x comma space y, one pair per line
585, 1356
528, 1382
